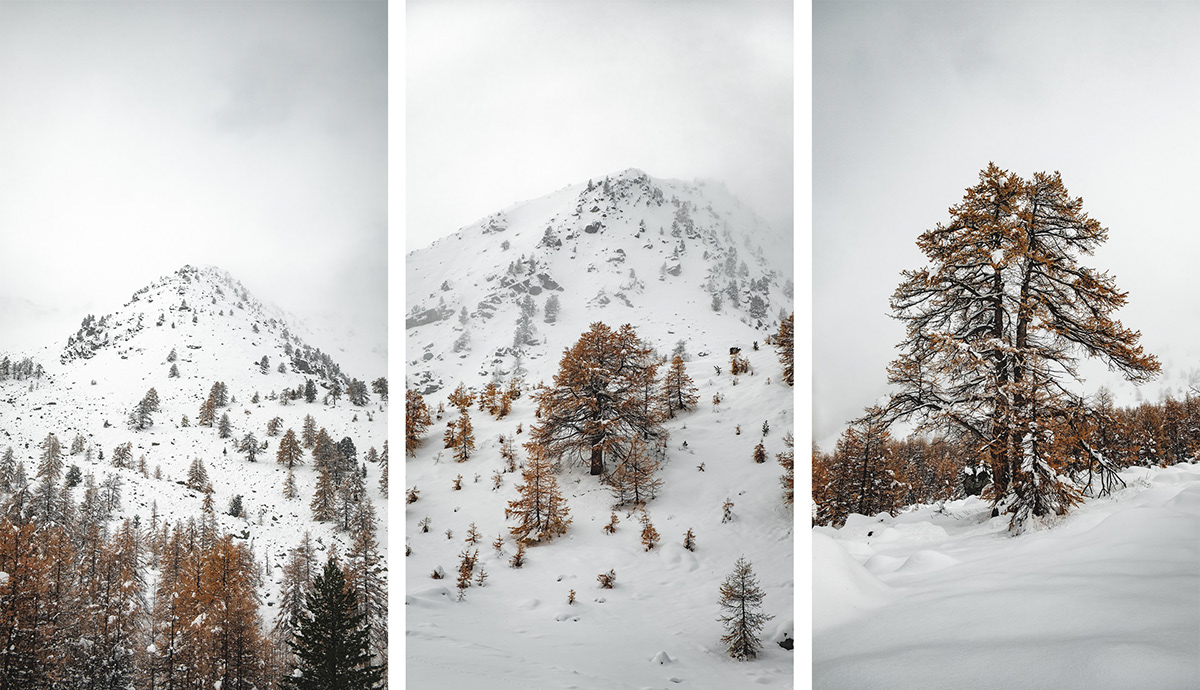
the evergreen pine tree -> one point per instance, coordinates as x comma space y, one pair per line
308, 432
331, 643
8, 470
197, 475
249, 446
350, 494
365, 575
347, 460
383, 474
324, 502
122, 455
298, 575
787, 461
356, 392
380, 387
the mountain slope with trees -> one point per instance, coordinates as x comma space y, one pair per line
153, 464
612, 482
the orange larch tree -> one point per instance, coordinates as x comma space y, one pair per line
598, 403
416, 420
541, 509
681, 393
997, 321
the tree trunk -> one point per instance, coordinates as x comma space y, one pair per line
597, 461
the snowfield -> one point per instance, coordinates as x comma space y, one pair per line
657, 627
1108, 597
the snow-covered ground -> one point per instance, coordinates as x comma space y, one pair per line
1106, 598
519, 631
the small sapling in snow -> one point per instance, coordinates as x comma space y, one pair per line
607, 580
518, 558
611, 527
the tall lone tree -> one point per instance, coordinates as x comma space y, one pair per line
597, 403
331, 642
741, 604
997, 321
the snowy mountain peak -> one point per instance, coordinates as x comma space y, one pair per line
209, 319
508, 292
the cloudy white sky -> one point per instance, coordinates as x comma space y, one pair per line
508, 101
912, 100
138, 137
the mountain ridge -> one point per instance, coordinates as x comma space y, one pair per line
618, 248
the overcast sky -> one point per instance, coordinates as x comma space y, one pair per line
912, 100
139, 137
508, 101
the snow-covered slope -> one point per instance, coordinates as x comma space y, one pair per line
627, 248
219, 332
657, 628
942, 596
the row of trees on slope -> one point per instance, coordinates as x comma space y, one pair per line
26, 368
870, 471
89, 622
76, 611
996, 323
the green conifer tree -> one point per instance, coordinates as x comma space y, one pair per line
331, 642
